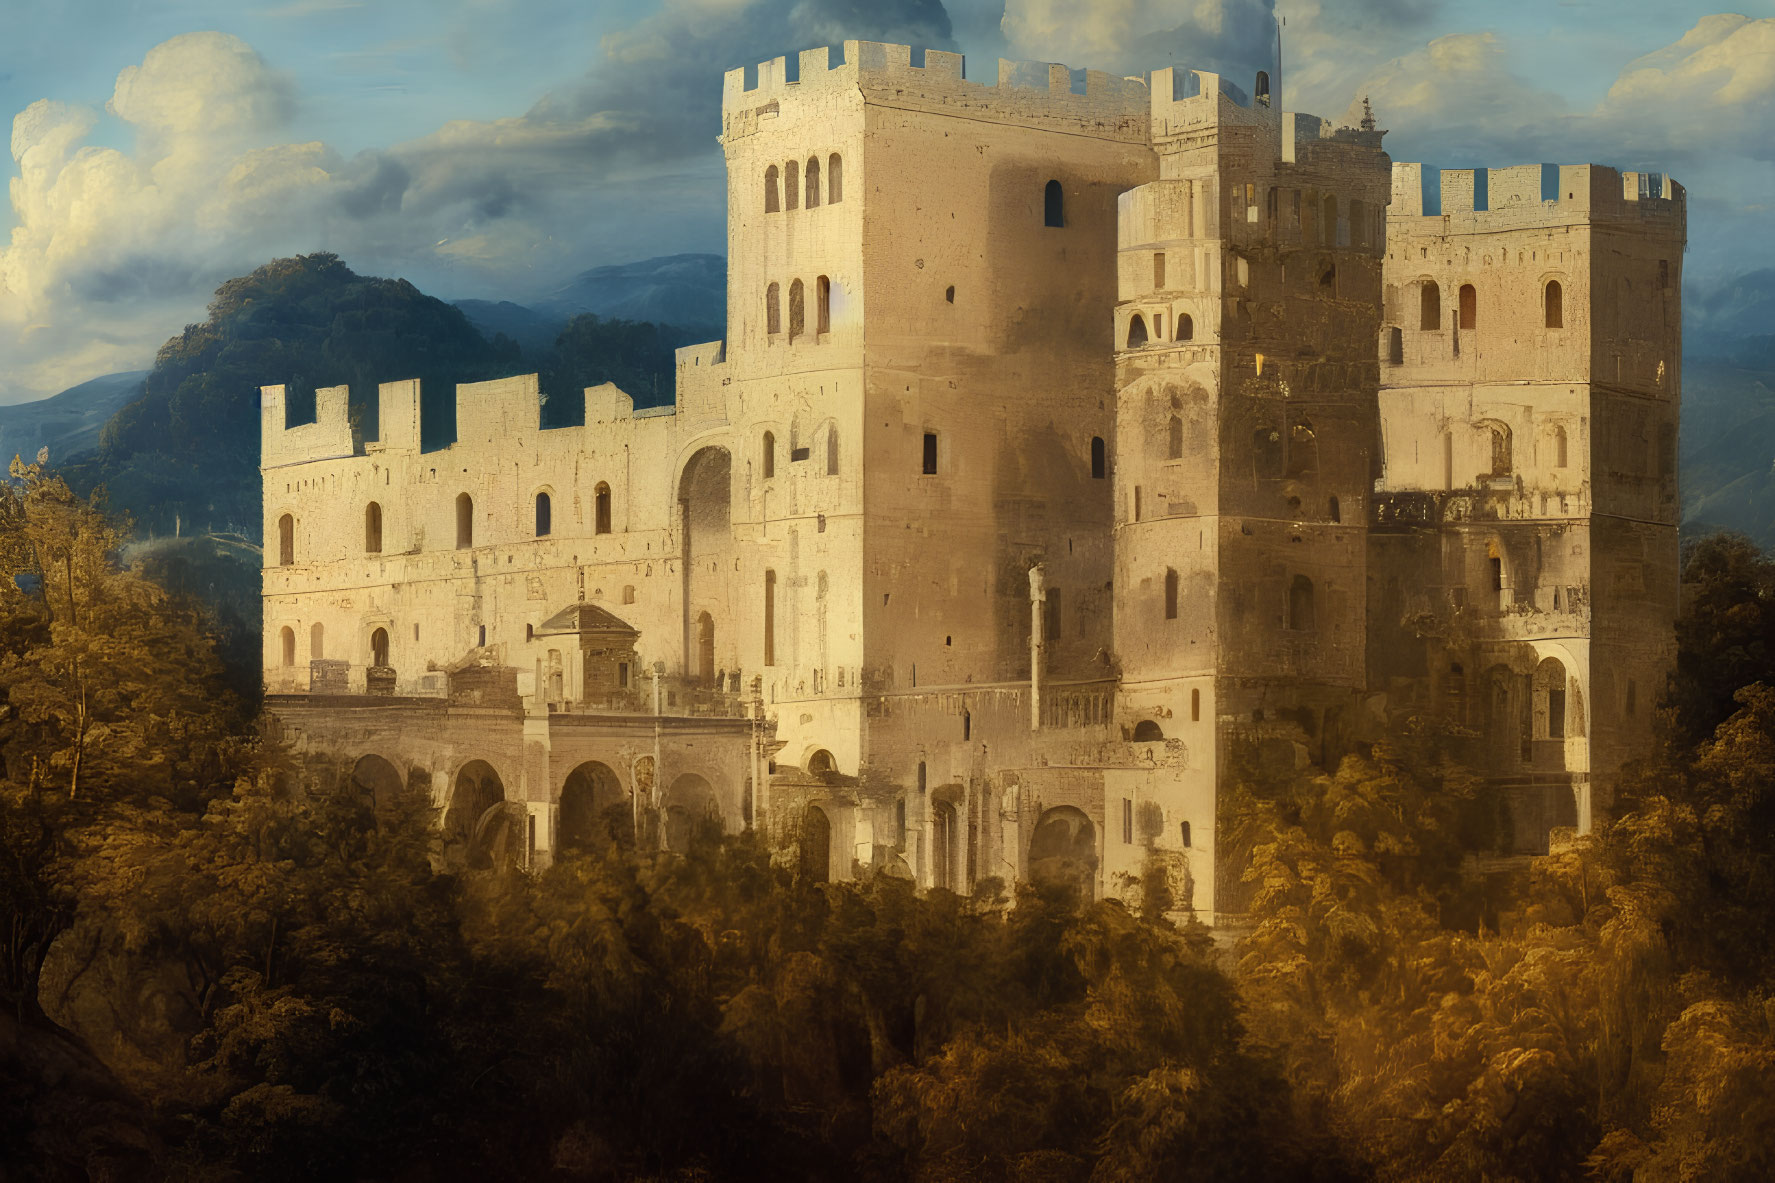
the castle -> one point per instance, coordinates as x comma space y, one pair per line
1079, 447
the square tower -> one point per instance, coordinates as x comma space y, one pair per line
1524, 569
1246, 429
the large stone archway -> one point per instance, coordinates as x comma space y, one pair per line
689, 801
376, 781
595, 809
482, 830
1063, 852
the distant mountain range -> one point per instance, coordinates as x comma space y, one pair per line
688, 292
67, 423
1728, 432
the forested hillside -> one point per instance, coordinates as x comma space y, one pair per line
217, 963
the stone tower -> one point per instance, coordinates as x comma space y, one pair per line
1246, 427
1523, 577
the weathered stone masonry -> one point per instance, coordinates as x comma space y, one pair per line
1077, 445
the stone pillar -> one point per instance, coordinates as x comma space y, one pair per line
1038, 595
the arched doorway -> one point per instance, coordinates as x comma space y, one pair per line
944, 842
1063, 852
689, 802
816, 845
482, 829
705, 505
376, 782
594, 809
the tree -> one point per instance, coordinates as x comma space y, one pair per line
108, 695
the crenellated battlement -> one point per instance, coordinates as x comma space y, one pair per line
487, 414
930, 77
1557, 193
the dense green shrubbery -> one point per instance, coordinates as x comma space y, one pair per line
289, 989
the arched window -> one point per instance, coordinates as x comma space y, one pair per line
1558, 446
1469, 306
543, 515
1550, 698
768, 461
1262, 92
1303, 449
1174, 441
771, 204
1053, 205
797, 309
834, 179
1300, 604
317, 642
288, 637
832, 450
1136, 331
379, 647
373, 529
1099, 458
1429, 305
773, 310
813, 181
1147, 731
1186, 327
1266, 453
465, 521
1170, 594
822, 305
1555, 305
770, 618
1502, 459
791, 185
1334, 511
601, 509
286, 541
1329, 229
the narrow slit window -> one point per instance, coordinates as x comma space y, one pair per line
773, 310
286, 541
768, 459
1099, 458
1170, 594
930, 453
770, 618
771, 203
544, 515
834, 179
797, 310
823, 305
791, 185
601, 509
1158, 271
1174, 440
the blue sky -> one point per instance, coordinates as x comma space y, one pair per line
494, 148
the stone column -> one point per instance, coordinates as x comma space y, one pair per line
1038, 595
